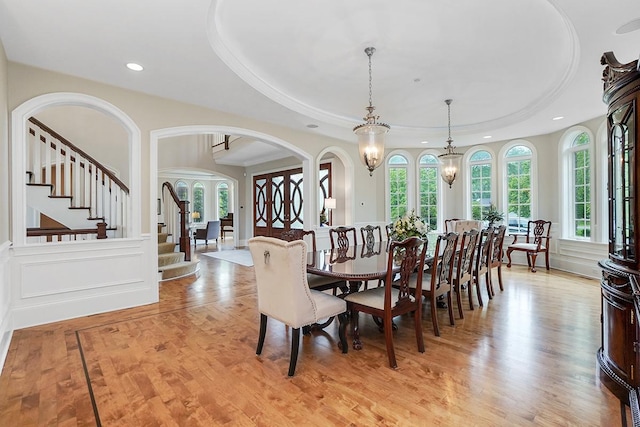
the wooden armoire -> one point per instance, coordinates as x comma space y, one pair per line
619, 356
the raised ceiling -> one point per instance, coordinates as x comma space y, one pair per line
509, 66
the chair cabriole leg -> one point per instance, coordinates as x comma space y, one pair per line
344, 320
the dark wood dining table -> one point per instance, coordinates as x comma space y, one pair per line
354, 264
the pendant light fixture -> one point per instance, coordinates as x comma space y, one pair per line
450, 160
371, 134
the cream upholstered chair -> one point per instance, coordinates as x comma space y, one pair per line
283, 292
319, 283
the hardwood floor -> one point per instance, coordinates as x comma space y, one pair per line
527, 358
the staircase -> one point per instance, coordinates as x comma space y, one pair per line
171, 264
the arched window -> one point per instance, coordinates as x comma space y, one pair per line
182, 190
480, 165
223, 199
578, 161
398, 186
197, 208
429, 189
517, 167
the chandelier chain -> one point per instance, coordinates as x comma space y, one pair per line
370, 53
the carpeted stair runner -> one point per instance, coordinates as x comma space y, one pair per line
171, 264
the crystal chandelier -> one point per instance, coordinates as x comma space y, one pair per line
450, 160
371, 134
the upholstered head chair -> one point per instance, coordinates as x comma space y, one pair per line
212, 232
283, 292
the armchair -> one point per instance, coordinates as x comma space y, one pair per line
535, 241
283, 292
212, 232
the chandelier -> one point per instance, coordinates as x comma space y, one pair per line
371, 133
450, 159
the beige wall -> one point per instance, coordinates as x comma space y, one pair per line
153, 113
4, 149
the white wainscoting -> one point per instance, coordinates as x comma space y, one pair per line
6, 329
53, 282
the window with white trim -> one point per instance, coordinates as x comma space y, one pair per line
518, 187
398, 186
480, 165
197, 210
579, 153
223, 199
428, 176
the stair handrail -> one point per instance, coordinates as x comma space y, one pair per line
183, 206
66, 142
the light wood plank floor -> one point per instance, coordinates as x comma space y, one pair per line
527, 358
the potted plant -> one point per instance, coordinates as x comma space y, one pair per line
493, 215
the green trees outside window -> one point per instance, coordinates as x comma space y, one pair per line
197, 208
223, 199
518, 175
429, 190
398, 186
480, 173
582, 186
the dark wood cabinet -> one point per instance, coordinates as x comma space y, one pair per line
618, 357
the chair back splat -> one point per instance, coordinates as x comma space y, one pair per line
439, 281
342, 237
463, 272
283, 292
481, 263
393, 298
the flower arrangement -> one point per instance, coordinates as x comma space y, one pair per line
410, 225
493, 215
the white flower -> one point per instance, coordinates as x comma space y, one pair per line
409, 226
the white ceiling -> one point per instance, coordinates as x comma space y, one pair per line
509, 66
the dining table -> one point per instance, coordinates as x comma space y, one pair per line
354, 264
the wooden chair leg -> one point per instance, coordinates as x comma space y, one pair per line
434, 315
263, 332
295, 345
450, 303
388, 337
417, 320
546, 258
355, 330
344, 320
509, 257
500, 277
470, 291
480, 303
459, 301
489, 285
533, 262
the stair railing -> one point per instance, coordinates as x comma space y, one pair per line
183, 213
54, 160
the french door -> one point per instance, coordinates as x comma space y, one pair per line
277, 202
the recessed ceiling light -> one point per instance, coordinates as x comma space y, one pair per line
558, 118
312, 126
487, 136
629, 27
416, 80
135, 67
424, 142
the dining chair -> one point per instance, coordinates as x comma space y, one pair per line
463, 270
481, 265
342, 237
450, 224
368, 234
283, 292
438, 280
320, 283
387, 229
536, 241
393, 298
497, 253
